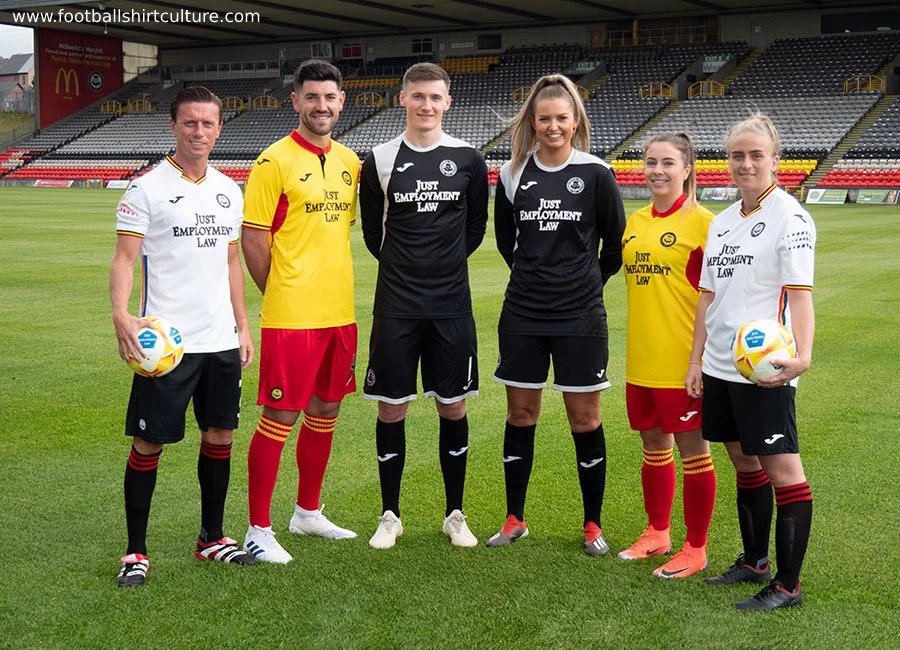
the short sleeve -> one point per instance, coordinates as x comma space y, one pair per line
237, 207
133, 212
706, 282
797, 251
264, 189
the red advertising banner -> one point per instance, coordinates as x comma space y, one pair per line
75, 70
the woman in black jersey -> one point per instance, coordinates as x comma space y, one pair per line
555, 203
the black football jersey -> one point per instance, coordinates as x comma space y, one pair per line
424, 211
549, 224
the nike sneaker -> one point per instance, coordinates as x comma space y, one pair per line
652, 542
684, 563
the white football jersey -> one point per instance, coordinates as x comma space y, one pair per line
186, 227
750, 262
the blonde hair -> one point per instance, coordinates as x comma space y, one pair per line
549, 86
685, 145
756, 124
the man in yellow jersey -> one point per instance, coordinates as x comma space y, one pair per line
299, 205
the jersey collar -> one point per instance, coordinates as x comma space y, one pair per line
675, 207
437, 143
759, 201
309, 146
562, 165
174, 164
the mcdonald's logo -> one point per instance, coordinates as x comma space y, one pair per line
69, 78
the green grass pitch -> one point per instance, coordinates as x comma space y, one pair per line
63, 392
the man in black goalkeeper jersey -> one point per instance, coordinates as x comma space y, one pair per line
553, 208
423, 201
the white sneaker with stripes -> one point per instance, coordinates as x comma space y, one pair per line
224, 550
261, 543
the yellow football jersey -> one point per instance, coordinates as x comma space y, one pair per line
305, 197
662, 257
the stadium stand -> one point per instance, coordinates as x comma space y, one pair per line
615, 107
383, 126
818, 66
393, 66
715, 172
244, 137
243, 88
809, 126
799, 82
874, 161
59, 134
106, 170
517, 68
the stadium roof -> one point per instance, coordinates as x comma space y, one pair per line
284, 21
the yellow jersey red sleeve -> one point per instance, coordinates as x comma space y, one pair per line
305, 197
264, 190
662, 258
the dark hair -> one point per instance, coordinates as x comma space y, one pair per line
316, 70
198, 94
685, 145
426, 72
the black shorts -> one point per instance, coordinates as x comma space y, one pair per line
763, 420
447, 346
157, 407
579, 362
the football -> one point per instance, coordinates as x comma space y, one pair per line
757, 343
163, 346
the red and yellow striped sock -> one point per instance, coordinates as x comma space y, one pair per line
263, 460
699, 497
658, 481
313, 451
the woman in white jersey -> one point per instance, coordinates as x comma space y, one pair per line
662, 250
555, 203
758, 264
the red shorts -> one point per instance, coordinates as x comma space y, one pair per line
294, 365
670, 409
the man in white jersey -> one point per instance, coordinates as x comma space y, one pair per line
184, 220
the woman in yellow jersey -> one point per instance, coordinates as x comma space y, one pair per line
662, 251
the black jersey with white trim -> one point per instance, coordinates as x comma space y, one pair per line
423, 212
549, 224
